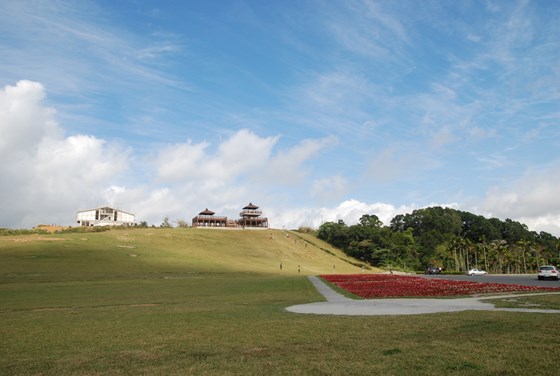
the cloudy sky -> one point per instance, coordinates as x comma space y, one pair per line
314, 110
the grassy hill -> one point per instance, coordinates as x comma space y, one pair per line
212, 302
150, 252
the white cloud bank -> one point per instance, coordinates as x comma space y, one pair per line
349, 211
47, 176
533, 199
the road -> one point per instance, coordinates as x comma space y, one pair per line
516, 279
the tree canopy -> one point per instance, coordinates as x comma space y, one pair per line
452, 239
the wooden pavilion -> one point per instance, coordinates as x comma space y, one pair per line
251, 216
206, 218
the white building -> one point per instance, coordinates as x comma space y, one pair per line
105, 216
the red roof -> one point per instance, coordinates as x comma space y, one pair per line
206, 212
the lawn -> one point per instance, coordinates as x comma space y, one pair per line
61, 316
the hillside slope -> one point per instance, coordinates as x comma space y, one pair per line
152, 252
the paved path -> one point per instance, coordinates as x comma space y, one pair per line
338, 304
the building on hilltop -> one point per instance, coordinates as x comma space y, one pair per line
105, 216
206, 218
251, 217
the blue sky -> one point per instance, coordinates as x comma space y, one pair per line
313, 110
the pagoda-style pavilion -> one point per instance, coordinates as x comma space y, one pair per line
206, 218
251, 216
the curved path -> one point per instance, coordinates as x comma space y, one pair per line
338, 304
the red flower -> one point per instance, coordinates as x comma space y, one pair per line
384, 285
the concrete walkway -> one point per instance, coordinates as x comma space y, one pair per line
338, 304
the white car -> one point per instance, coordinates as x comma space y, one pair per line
476, 272
548, 271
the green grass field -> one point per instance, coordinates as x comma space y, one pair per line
211, 302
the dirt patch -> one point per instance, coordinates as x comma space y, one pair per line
51, 228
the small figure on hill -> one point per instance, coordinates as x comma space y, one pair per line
280, 265
391, 271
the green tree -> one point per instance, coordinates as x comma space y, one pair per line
370, 220
334, 233
444, 237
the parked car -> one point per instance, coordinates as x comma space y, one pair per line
432, 270
548, 272
476, 272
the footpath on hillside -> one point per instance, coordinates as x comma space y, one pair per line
338, 304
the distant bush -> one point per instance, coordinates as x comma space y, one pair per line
9, 231
84, 229
306, 230
181, 223
166, 223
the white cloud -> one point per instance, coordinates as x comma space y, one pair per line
244, 167
24, 120
474, 38
533, 194
443, 137
48, 176
364, 27
397, 163
546, 223
444, 91
336, 92
44, 174
78, 162
239, 155
155, 205
479, 133
286, 167
329, 188
349, 211
533, 199
244, 153
180, 162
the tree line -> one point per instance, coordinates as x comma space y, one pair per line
453, 240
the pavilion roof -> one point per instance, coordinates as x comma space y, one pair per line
250, 207
207, 212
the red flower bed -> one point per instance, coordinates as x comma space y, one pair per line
385, 285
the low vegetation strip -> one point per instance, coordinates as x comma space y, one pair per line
386, 285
